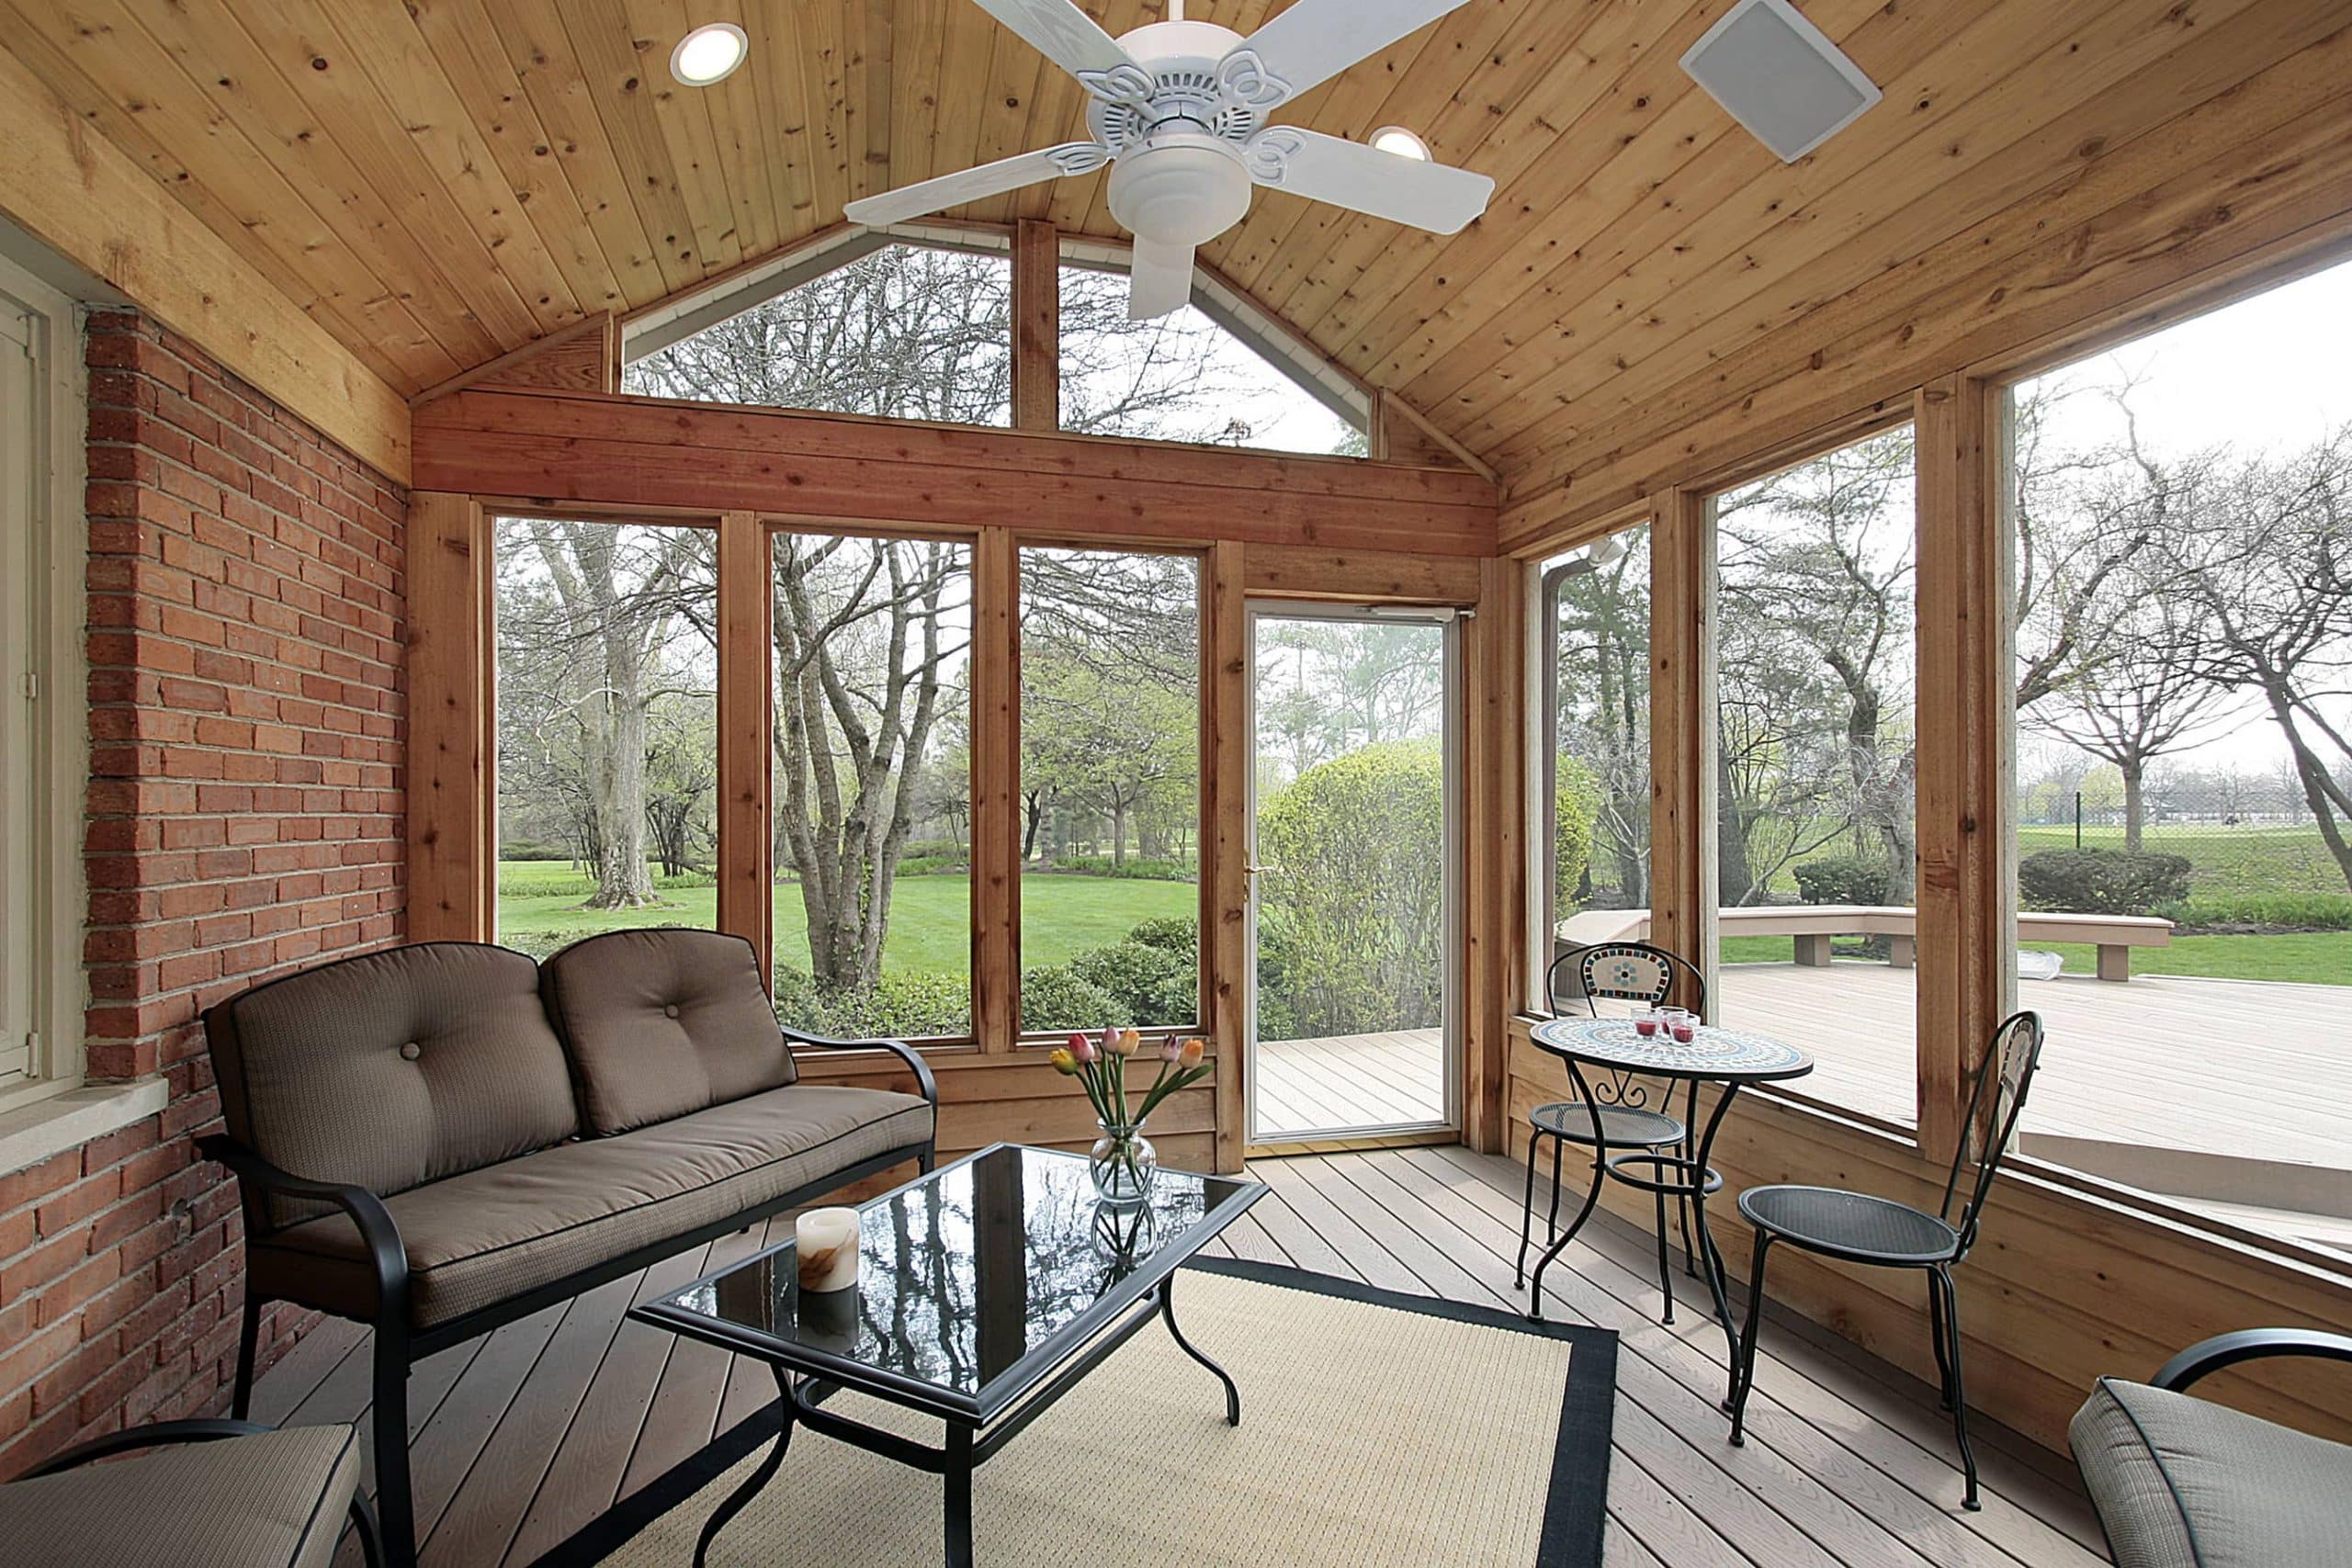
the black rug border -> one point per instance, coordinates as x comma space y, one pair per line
1574, 1516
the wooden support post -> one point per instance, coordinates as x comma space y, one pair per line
452, 810
1812, 949
1967, 886
1037, 326
1494, 878
746, 836
1227, 750
1682, 730
995, 790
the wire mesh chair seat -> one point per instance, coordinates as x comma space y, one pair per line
1854, 1226
1859, 1227
1622, 1126
1619, 971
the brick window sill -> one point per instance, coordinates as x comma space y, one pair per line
31, 1133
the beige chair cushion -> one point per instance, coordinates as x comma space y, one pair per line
273, 1499
487, 1235
393, 1069
660, 1022
2183, 1482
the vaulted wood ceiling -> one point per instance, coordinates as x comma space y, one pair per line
445, 180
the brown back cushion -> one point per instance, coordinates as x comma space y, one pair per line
393, 1068
662, 1023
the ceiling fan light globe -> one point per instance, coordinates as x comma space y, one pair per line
1402, 143
1180, 191
709, 54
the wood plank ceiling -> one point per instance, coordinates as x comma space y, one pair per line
443, 181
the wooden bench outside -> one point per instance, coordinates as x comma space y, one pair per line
1811, 926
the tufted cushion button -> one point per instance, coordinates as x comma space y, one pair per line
411, 1052
670, 1011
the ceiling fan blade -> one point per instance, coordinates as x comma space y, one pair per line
1061, 32
1314, 40
1436, 196
1159, 279
976, 185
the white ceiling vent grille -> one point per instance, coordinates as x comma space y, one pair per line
1780, 77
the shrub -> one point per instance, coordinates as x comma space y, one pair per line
2102, 882
1054, 998
1135, 869
1155, 985
1361, 895
1577, 805
931, 865
2269, 911
897, 1006
1177, 933
1842, 879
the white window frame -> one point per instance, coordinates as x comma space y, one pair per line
44, 748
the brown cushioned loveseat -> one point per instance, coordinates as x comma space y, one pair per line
441, 1138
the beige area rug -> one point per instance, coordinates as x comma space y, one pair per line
1377, 1430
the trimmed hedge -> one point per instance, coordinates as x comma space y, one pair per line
2102, 882
1842, 879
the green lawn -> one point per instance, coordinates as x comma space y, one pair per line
930, 917
2249, 858
2316, 957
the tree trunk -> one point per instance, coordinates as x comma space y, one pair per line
1735, 877
2134, 770
616, 783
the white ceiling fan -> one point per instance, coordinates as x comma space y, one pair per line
1181, 108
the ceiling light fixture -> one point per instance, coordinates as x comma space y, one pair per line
709, 54
1402, 143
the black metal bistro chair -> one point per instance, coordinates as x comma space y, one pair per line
1621, 971
1879, 1232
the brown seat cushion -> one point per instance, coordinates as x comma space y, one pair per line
278, 1499
491, 1234
660, 1022
393, 1068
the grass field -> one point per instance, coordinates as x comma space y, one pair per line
2250, 858
930, 918
2322, 958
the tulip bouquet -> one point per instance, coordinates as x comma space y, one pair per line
1123, 1159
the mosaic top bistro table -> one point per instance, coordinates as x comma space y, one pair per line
986, 1291
1731, 1058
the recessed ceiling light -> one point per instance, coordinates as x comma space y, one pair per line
1404, 144
709, 54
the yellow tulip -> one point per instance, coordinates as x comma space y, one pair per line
1064, 1063
1193, 1051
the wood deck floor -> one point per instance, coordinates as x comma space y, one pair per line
1396, 1079
521, 1438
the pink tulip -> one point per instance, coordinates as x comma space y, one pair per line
1170, 1049
1082, 1048
1110, 1040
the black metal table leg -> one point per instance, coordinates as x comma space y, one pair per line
958, 1476
1711, 1258
1168, 1311
758, 1478
1591, 1197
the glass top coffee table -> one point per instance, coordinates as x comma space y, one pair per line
986, 1290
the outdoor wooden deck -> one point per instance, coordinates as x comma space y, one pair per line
1395, 1080
2230, 1067
524, 1435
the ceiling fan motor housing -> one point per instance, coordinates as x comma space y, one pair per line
1180, 178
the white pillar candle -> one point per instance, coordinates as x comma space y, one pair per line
827, 1246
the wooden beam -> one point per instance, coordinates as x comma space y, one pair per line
996, 789
1037, 326
452, 850
1494, 865
581, 357
79, 193
1228, 752
564, 449
746, 692
1967, 743
1683, 730
1400, 434
1362, 577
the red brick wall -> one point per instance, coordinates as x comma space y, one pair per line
245, 818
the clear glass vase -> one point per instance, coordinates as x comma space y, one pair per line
1123, 1164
